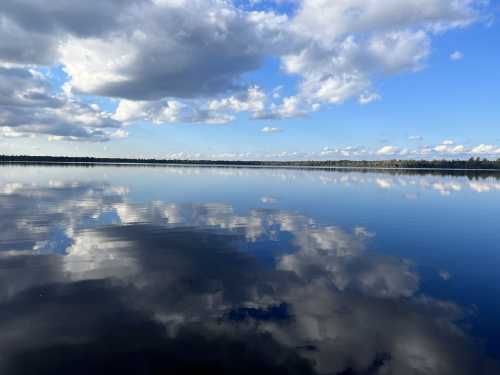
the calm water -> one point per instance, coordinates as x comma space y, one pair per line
241, 271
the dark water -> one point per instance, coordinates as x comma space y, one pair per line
173, 270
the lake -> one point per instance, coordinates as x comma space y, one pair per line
155, 270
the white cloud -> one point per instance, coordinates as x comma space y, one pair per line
348, 42
168, 112
269, 129
30, 107
251, 101
367, 97
291, 106
346, 152
171, 62
449, 147
486, 149
164, 49
120, 133
320, 18
457, 55
445, 149
388, 150
415, 138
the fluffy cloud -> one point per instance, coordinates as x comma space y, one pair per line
445, 148
388, 150
320, 18
29, 107
175, 61
169, 49
457, 55
291, 106
253, 101
31, 30
368, 97
168, 111
486, 149
347, 151
269, 129
349, 42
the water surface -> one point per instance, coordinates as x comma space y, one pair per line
239, 270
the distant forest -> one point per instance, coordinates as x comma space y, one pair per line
472, 163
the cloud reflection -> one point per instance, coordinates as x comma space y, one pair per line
163, 287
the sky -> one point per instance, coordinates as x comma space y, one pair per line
250, 79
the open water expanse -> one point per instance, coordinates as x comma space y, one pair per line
171, 270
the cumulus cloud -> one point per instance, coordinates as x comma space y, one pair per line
269, 129
167, 112
346, 151
367, 97
447, 148
350, 42
31, 30
29, 107
388, 150
252, 101
486, 149
168, 49
172, 61
457, 55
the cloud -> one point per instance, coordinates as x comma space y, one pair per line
457, 55
268, 129
167, 49
290, 106
446, 148
486, 149
321, 17
388, 150
346, 152
168, 112
31, 30
367, 98
347, 43
189, 61
253, 100
30, 107
415, 138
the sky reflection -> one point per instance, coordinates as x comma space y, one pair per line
95, 279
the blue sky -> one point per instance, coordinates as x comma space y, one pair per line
213, 79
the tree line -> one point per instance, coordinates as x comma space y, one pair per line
472, 163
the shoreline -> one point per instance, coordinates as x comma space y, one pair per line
221, 164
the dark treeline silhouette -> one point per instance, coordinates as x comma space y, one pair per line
472, 163
471, 169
